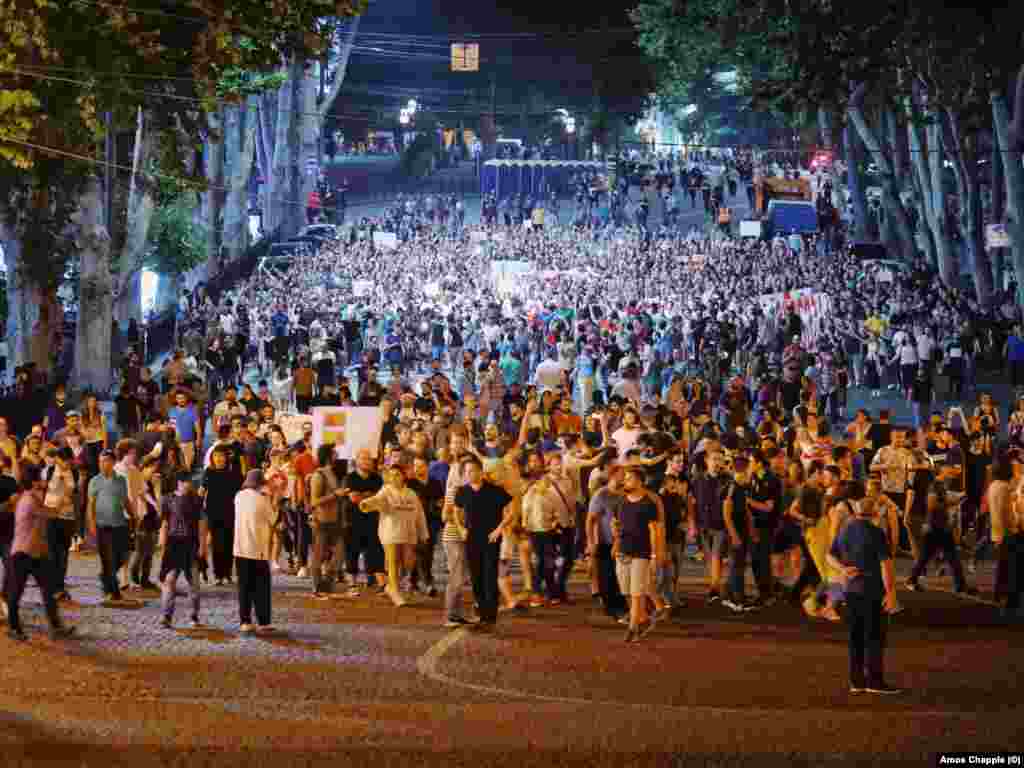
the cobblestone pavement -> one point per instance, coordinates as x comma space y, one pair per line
356, 681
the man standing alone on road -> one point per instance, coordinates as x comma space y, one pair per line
861, 553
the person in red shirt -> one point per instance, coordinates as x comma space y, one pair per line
313, 205
304, 464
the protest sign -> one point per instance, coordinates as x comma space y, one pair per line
388, 240
750, 229
348, 429
996, 236
362, 287
292, 424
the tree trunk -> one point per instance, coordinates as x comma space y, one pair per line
285, 210
267, 127
140, 214
309, 132
855, 183
927, 161
998, 212
890, 187
892, 193
93, 362
34, 315
214, 197
1009, 140
960, 149
348, 40
241, 128
825, 127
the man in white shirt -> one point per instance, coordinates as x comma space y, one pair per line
628, 434
549, 374
254, 524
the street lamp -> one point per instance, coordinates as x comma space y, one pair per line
412, 106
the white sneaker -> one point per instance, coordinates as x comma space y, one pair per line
303, 573
275, 567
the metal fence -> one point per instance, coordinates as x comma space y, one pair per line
460, 186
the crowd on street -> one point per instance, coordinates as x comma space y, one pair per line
548, 395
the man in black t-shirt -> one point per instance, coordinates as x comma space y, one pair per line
634, 529
364, 539
765, 504
879, 434
483, 506
183, 540
742, 533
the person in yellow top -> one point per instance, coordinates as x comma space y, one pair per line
8, 445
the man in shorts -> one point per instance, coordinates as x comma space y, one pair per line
635, 530
708, 490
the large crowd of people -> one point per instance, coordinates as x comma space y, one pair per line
547, 395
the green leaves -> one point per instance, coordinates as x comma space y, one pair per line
176, 242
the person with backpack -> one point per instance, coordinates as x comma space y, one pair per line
324, 493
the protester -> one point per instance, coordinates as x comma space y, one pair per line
254, 523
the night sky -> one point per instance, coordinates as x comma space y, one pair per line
558, 56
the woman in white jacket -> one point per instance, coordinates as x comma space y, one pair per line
402, 526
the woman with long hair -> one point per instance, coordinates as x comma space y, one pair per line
94, 430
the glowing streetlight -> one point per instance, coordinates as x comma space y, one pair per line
570, 125
412, 106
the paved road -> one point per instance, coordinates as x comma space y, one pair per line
357, 682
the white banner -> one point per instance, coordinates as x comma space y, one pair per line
362, 287
750, 229
388, 240
348, 429
996, 236
812, 307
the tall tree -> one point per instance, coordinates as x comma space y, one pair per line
63, 65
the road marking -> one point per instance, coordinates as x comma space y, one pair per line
971, 598
427, 664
